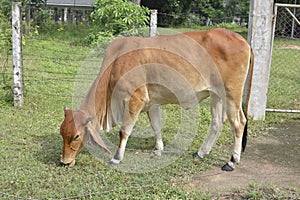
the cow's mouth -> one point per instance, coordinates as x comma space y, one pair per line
70, 164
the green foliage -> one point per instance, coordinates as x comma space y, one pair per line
210, 8
5, 32
112, 17
116, 16
5, 51
177, 11
200, 12
237, 8
100, 37
5, 7
44, 20
222, 11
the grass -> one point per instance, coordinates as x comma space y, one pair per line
30, 143
285, 64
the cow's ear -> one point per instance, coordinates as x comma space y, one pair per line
65, 109
95, 139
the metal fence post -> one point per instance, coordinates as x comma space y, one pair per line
153, 22
260, 33
18, 87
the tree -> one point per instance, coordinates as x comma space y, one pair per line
5, 7
112, 17
236, 8
210, 8
173, 12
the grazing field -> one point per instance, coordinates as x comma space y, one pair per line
30, 143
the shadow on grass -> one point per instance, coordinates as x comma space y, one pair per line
50, 151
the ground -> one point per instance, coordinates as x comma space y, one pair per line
269, 159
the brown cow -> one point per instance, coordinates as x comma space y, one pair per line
140, 74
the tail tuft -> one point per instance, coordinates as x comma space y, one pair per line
245, 134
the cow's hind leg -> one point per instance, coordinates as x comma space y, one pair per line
154, 118
217, 122
238, 121
131, 113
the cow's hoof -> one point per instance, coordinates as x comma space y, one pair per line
113, 163
197, 156
227, 168
157, 152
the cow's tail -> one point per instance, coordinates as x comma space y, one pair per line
245, 134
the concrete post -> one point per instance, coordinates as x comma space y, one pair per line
18, 87
65, 15
153, 23
260, 34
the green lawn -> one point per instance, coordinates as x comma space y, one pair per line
284, 87
30, 143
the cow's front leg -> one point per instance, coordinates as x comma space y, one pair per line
131, 113
121, 148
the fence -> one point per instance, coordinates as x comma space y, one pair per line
285, 57
194, 19
285, 68
50, 74
50, 69
50, 66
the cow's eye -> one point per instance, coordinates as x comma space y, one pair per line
76, 137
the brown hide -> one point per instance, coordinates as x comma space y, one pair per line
138, 73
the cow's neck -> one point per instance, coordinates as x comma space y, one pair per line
95, 103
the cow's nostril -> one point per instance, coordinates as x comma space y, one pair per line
64, 164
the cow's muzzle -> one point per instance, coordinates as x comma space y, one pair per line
70, 164
64, 164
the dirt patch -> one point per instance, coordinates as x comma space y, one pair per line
273, 158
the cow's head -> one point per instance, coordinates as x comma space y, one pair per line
76, 130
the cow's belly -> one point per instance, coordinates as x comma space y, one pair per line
159, 95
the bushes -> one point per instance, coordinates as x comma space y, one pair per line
112, 17
5, 33
5, 52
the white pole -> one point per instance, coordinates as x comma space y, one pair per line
65, 14
153, 22
18, 86
260, 37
